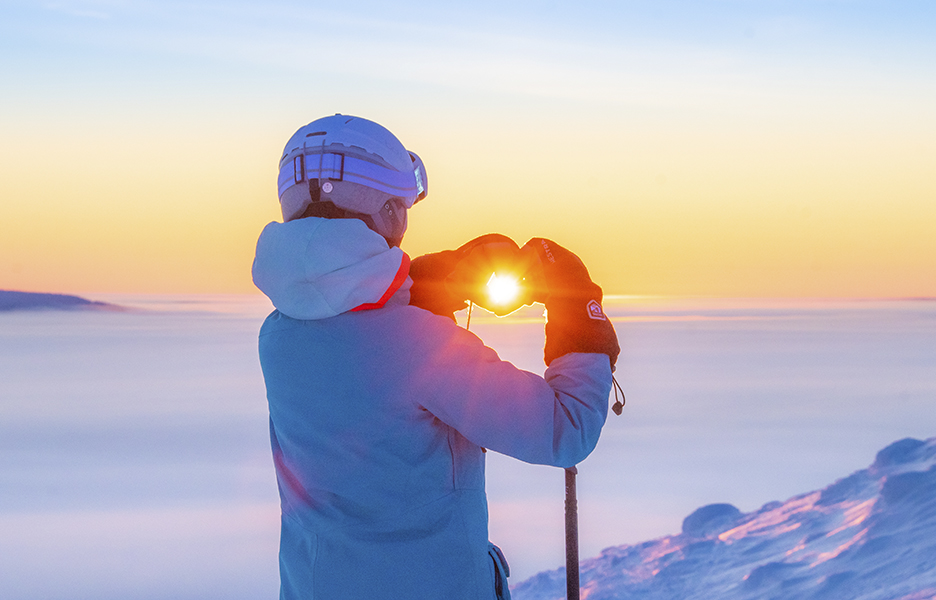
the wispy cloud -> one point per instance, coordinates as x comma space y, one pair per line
521, 49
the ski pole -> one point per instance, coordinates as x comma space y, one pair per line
571, 536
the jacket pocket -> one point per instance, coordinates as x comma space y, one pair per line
501, 572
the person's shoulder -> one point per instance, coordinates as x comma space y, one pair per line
427, 328
412, 317
432, 336
278, 321
275, 321
415, 325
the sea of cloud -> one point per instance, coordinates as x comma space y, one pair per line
134, 459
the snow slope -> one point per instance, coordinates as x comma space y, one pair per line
869, 536
10, 300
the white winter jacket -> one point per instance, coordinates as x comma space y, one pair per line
378, 415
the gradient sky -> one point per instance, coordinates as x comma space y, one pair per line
733, 148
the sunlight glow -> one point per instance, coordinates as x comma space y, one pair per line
784, 183
502, 289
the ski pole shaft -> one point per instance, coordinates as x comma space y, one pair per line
571, 536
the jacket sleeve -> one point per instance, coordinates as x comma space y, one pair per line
551, 420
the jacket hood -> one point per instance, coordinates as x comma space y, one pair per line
316, 268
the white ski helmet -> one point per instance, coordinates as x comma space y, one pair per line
347, 167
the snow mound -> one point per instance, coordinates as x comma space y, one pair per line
711, 519
871, 535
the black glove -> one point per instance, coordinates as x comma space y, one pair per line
488, 255
444, 281
575, 319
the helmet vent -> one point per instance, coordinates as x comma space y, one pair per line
315, 133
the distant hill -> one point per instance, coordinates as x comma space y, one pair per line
10, 301
869, 536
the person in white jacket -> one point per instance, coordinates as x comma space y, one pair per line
381, 407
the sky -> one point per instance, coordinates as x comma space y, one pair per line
713, 148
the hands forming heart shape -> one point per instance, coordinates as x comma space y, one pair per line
496, 274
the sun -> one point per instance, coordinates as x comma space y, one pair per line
502, 289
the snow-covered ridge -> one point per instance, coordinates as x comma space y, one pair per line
871, 535
10, 301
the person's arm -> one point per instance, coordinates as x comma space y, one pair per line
551, 420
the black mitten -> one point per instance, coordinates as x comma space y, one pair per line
481, 258
428, 291
440, 287
575, 319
